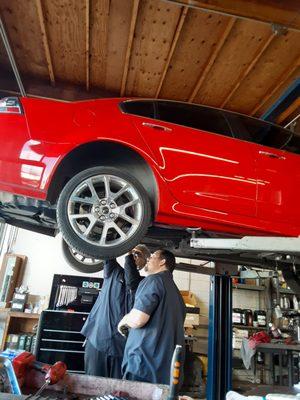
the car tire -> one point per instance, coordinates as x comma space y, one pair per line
103, 212
79, 262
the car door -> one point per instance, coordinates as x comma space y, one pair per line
292, 178
278, 171
13, 135
202, 164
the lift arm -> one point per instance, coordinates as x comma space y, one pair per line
281, 245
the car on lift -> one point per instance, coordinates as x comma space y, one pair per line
103, 171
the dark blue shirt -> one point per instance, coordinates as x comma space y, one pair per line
149, 350
113, 302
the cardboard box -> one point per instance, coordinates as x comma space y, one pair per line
237, 338
253, 282
192, 310
189, 298
237, 343
11, 276
241, 333
191, 320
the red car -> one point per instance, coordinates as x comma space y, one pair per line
103, 171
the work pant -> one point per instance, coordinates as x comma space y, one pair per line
98, 363
128, 376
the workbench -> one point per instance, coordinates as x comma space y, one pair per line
84, 387
281, 350
263, 390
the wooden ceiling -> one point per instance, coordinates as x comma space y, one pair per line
218, 53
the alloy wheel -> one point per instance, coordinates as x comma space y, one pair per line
105, 210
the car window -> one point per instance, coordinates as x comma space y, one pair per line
143, 108
254, 130
193, 116
293, 145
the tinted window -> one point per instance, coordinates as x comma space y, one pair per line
143, 108
193, 116
293, 146
260, 132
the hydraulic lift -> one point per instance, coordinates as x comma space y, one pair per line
271, 253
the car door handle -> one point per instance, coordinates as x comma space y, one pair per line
271, 155
157, 127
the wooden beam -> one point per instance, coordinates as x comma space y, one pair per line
87, 43
282, 12
45, 40
284, 78
135, 9
37, 87
247, 71
212, 58
289, 111
183, 15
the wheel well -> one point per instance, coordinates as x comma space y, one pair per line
103, 154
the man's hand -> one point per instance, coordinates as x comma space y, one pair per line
139, 258
135, 319
123, 328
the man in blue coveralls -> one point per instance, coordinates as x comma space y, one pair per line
104, 345
156, 323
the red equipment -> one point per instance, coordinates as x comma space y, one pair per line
25, 361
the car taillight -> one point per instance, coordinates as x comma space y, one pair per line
10, 105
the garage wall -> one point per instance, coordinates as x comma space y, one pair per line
45, 259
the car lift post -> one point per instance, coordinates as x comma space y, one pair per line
220, 309
220, 338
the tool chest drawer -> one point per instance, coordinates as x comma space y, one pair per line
59, 339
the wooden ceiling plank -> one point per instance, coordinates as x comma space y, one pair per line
135, 9
37, 87
24, 33
212, 58
283, 79
65, 23
153, 36
276, 61
288, 112
248, 69
117, 39
199, 35
285, 13
99, 18
48, 56
173, 46
87, 43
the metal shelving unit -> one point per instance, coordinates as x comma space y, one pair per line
255, 328
243, 286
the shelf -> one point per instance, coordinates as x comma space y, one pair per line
18, 314
260, 328
248, 287
16, 322
284, 330
286, 291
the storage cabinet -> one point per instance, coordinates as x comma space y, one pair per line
12, 322
59, 339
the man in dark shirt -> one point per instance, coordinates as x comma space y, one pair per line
105, 346
156, 323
